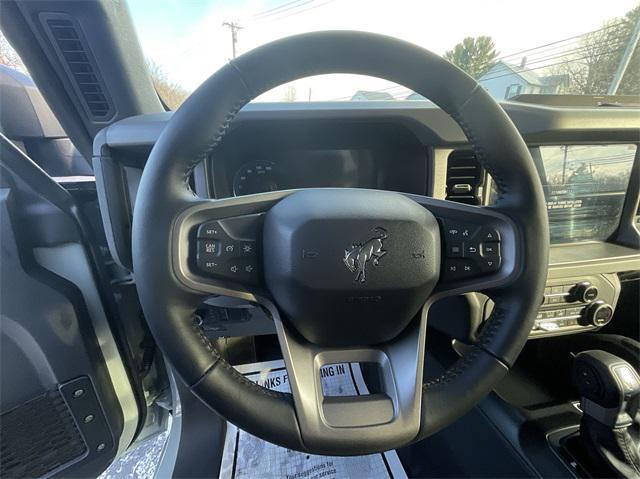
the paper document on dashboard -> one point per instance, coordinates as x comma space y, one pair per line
246, 456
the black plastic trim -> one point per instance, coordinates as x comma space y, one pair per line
43, 185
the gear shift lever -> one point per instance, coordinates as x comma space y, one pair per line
610, 395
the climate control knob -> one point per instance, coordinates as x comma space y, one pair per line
584, 292
598, 314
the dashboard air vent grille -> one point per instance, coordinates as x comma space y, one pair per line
79, 64
465, 178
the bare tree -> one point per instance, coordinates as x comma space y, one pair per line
8, 55
592, 64
171, 93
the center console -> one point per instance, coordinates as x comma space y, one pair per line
576, 304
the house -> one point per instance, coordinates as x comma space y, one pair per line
364, 95
505, 80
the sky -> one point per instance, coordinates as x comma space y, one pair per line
187, 38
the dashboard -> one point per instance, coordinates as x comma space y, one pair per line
587, 159
290, 154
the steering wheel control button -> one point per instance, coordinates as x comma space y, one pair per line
480, 248
460, 269
246, 248
490, 250
488, 235
241, 270
208, 248
489, 265
209, 264
471, 250
455, 249
458, 231
228, 249
210, 230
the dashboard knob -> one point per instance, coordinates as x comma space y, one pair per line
598, 314
585, 292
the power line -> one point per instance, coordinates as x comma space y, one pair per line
507, 71
259, 14
282, 9
576, 51
295, 12
561, 41
558, 63
390, 89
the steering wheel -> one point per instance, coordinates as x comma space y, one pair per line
348, 275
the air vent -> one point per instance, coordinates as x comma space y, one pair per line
465, 178
79, 64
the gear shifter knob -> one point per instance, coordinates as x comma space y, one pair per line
609, 387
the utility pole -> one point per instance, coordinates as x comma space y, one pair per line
626, 58
234, 28
564, 163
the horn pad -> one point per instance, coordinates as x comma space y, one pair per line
350, 267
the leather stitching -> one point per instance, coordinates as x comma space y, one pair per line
453, 372
492, 326
203, 338
218, 360
481, 156
215, 141
496, 320
624, 447
250, 384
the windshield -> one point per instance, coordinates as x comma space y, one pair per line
546, 47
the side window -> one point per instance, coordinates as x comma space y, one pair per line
27, 120
512, 90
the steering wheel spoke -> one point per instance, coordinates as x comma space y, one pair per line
217, 245
330, 424
480, 247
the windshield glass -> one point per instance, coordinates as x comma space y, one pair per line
546, 47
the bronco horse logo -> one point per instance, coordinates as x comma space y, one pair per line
357, 257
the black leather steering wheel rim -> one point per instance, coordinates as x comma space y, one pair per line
199, 126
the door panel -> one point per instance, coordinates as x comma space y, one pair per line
66, 402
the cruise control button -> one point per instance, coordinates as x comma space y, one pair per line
209, 265
209, 247
211, 229
229, 249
